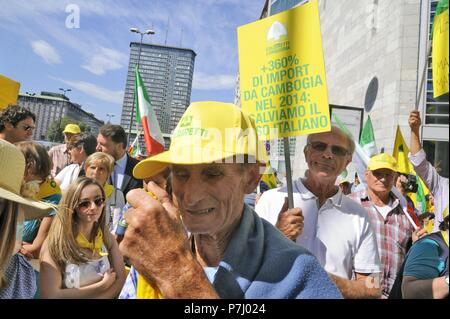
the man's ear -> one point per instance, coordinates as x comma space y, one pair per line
253, 176
349, 159
8, 126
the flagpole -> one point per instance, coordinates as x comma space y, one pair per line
287, 160
422, 80
136, 30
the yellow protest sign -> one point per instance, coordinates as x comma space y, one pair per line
9, 91
282, 73
440, 53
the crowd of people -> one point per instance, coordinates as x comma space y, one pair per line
87, 220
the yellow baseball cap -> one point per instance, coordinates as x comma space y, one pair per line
207, 132
72, 128
382, 160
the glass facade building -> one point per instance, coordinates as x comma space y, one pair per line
167, 73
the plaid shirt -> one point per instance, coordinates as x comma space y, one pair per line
393, 234
60, 158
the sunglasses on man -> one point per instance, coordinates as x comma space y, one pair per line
335, 149
28, 127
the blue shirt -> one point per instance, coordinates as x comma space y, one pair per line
119, 171
260, 262
423, 261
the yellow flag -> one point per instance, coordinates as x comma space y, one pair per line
9, 91
440, 49
400, 153
282, 73
269, 177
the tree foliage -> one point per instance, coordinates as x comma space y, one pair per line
55, 130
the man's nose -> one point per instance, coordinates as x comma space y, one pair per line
327, 152
193, 193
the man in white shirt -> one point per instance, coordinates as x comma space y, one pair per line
437, 184
336, 229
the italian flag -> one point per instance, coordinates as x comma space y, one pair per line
145, 115
367, 140
135, 150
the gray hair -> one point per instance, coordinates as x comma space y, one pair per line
334, 128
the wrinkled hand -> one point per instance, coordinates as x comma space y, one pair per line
414, 121
418, 233
155, 240
290, 221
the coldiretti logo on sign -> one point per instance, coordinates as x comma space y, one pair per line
277, 38
282, 73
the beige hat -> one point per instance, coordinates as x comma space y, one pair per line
12, 168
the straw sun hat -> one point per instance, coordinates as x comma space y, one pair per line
12, 168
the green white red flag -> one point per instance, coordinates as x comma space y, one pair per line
154, 141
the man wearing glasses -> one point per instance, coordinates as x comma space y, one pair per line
393, 229
334, 228
16, 124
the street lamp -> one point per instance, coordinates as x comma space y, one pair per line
109, 115
136, 30
64, 91
60, 113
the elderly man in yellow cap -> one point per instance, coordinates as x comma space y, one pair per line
393, 227
216, 159
60, 154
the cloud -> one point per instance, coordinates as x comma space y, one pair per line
204, 81
105, 60
46, 52
95, 91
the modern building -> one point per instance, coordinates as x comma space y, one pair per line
50, 107
381, 42
167, 73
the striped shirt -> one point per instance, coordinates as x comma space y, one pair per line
60, 158
393, 234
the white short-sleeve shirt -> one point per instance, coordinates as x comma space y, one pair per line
339, 233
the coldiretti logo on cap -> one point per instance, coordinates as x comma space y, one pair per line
186, 121
187, 127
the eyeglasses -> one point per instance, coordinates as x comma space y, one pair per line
28, 127
335, 149
87, 203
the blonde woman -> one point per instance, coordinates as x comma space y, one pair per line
80, 258
99, 166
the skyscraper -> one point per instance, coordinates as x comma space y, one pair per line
167, 73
